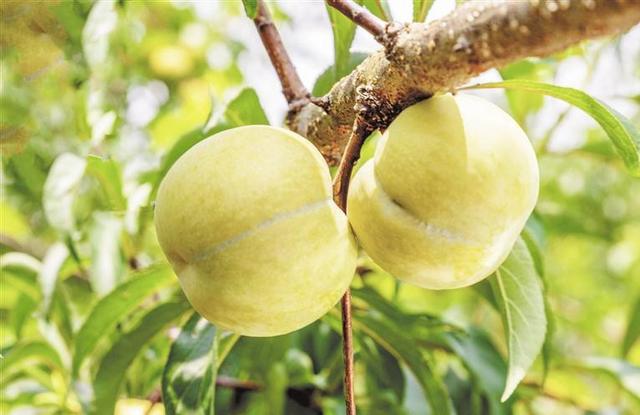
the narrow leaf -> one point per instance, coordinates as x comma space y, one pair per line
396, 332
521, 103
107, 172
189, 376
379, 7
244, 109
250, 7
518, 290
396, 342
60, 190
331, 75
533, 236
113, 366
421, 9
107, 265
21, 272
621, 131
48, 278
633, 328
112, 308
486, 364
22, 312
19, 354
344, 31
100, 23
623, 372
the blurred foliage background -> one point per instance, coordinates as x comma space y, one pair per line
98, 99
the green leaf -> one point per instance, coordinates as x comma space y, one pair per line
299, 368
113, 366
60, 190
633, 328
107, 264
244, 109
623, 372
344, 31
483, 289
519, 292
99, 25
621, 131
22, 312
112, 308
30, 176
520, 102
398, 333
188, 379
399, 344
250, 7
485, 363
383, 370
418, 324
533, 236
21, 353
331, 75
275, 389
404, 332
107, 172
51, 264
379, 7
421, 9
21, 272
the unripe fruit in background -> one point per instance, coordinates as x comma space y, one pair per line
247, 220
451, 185
171, 61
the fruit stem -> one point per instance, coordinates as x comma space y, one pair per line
360, 131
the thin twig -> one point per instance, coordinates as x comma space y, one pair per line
347, 353
231, 383
33, 247
340, 188
543, 143
292, 87
361, 16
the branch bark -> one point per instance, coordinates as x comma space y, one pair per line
426, 59
293, 89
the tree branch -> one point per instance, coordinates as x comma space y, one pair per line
361, 16
361, 129
440, 56
292, 87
